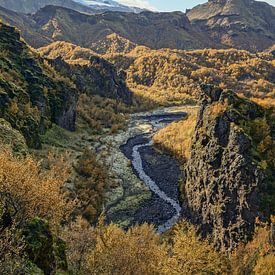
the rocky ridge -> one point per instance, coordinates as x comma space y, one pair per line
32, 95
241, 24
90, 73
228, 178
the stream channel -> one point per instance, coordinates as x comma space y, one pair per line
159, 171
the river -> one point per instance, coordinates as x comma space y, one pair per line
157, 170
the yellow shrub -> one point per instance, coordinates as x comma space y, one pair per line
265, 265
176, 137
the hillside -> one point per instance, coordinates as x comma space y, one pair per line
167, 77
26, 25
113, 43
173, 76
32, 6
33, 95
156, 30
90, 73
242, 24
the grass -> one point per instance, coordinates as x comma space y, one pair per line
176, 137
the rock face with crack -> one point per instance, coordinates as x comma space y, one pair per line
225, 181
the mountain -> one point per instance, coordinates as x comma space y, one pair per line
242, 24
108, 5
26, 25
32, 6
156, 30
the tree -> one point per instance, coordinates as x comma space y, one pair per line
137, 251
193, 255
27, 191
80, 238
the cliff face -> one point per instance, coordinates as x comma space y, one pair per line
90, 73
230, 175
32, 95
242, 24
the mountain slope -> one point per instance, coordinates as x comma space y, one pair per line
32, 6
156, 30
26, 25
32, 94
242, 24
90, 73
113, 43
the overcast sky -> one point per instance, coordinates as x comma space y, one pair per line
168, 5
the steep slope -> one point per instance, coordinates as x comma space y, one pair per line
242, 24
90, 73
175, 76
32, 6
26, 25
229, 178
32, 94
113, 43
156, 30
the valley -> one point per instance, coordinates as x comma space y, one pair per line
134, 141
159, 172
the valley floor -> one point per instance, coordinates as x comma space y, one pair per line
149, 178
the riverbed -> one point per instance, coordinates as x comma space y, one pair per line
148, 191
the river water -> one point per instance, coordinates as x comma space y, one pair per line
161, 175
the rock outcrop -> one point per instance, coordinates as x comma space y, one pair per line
90, 73
228, 178
32, 94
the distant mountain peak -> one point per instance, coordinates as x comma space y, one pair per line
108, 5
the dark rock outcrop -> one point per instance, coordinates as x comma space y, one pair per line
97, 77
32, 96
44, 249
225, 181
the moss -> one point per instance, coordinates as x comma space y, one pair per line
12, 137
45, 250
39, 244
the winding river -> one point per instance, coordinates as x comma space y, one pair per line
162, 179
137, 164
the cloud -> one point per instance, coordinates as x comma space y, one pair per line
144, 4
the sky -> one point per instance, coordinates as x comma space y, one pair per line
169, 5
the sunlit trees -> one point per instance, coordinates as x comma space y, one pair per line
26, 190
80, 239
137, 251
176, 137
194, 255
265, 265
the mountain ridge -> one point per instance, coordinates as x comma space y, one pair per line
236, 23
240, 24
